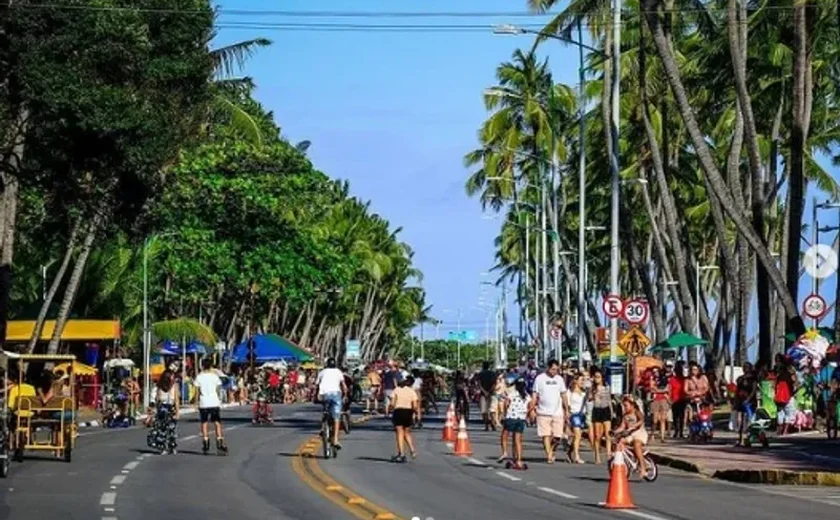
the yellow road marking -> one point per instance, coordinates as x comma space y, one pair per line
306, 467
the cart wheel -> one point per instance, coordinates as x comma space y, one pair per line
68, 454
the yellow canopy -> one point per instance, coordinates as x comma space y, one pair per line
80, 369
310, 365
74, 330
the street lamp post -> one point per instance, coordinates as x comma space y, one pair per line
615, 171
815, 282
581, 303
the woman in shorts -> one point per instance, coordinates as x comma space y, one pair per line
601, 415
515, 405
403, 406
577, 417
660, 404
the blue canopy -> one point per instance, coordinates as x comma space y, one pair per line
173, 348
269, 347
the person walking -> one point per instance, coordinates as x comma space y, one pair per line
549, 407
163, 436
660, 405
577, 417
488, 402
679, 400
208, 384
601, 415
404, 406
515, 406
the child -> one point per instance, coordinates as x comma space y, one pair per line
516, 412
632, 429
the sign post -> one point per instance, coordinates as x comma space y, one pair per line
353, 351
634, 343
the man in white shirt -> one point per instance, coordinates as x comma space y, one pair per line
550, 407
208, 384
331, 392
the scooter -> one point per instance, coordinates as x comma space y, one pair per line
757, 429
701, 428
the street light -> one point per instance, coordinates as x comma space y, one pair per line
614, 163
147, 333
815, 282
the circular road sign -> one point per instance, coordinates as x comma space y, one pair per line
820, 261
613, 306
556, 332
814, 306
636, 312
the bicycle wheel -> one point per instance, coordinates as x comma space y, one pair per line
325, 440
652, 470
345, 423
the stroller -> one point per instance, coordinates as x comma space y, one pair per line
262, 411
701, 427
117, 416
757, 429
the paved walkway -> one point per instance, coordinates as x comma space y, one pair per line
797, 459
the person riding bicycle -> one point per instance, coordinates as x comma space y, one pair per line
632, 429
331, 392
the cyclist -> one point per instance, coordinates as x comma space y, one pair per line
632, 430
331, 392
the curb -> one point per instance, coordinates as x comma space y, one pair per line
140, 418
776, 477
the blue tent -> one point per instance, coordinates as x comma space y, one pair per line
269, 347
173, 348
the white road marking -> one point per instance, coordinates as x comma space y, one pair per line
476, 461
509, 477
639, 514
125, 472
109, 518
109, 509
557, 493
108, 499
131, 465
117, 480
450, 445
188, 438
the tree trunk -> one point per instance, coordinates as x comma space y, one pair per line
73, 284
711, 171
59, 277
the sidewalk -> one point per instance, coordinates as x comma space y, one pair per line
800, 459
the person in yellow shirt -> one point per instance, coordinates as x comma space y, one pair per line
15, 392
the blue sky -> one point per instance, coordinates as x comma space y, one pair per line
394, 113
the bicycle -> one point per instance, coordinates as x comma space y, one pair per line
633, 464
327, 425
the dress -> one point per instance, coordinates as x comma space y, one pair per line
163, 436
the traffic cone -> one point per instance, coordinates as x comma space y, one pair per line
618, 491
462, 443
449, 434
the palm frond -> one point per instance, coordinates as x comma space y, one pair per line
230, 59
240, 119
184, 329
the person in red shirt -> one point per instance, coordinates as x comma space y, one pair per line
291, 385
273, 386
676, 387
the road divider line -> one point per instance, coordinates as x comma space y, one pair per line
640, 514
131, 465
557, 493
109, 498
307, 468
117, 480
509, 477
476, 462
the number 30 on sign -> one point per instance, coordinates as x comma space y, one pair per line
636, 312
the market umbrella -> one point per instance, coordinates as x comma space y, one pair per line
678, 341
80, 369
270, 347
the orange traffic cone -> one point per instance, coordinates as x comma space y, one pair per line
462, 443
449, 434
618, 491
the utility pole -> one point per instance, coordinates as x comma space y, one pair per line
615, 257
581, 296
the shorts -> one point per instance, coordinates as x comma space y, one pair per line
578, 420
660, 407
373, 392
787, 412
638, 435
332, 402
209, 415
388, 394
514, 425
601, 415
551, 426
403, 417
489, 403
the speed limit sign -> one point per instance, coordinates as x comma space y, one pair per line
814, 306
613, 306
636, 312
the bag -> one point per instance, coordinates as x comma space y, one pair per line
782, 392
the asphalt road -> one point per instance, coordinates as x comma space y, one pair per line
114, 477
